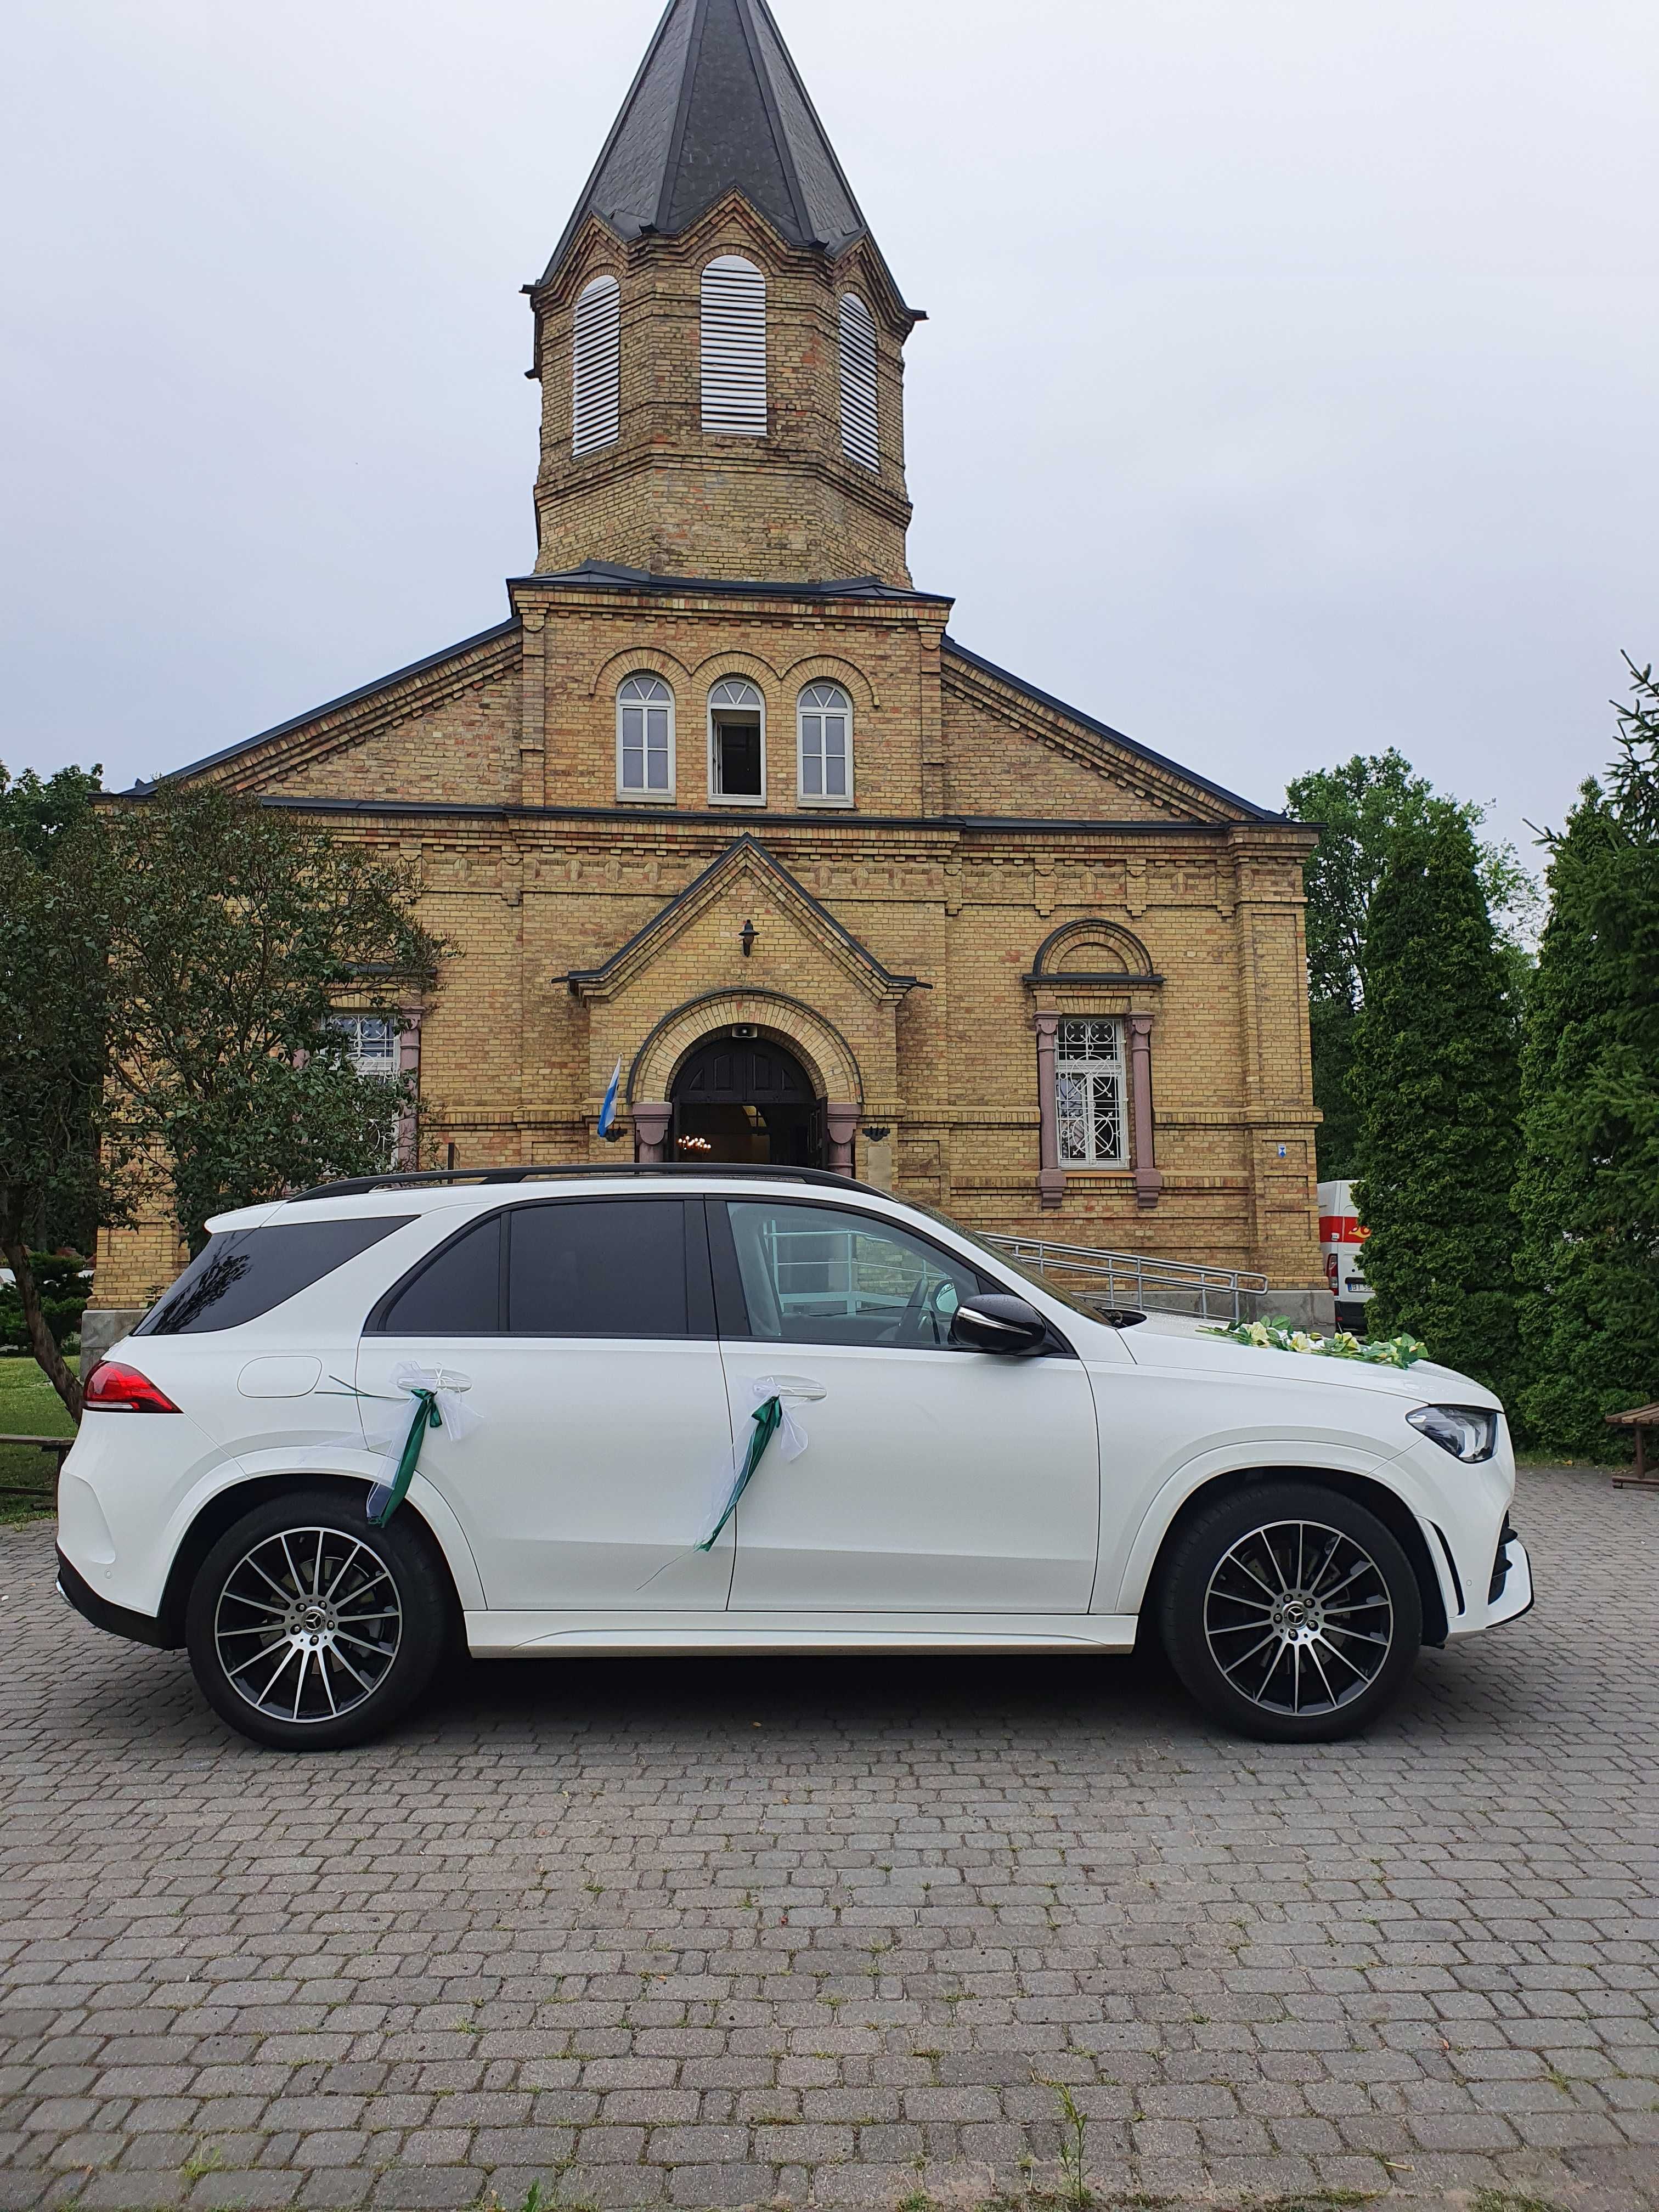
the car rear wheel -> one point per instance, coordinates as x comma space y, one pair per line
310, 1630
1291, 1612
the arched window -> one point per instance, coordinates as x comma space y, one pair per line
733, 348
645, 738
596, 368
737, 743
858, 430
824, 763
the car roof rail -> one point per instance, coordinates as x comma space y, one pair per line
443, 1178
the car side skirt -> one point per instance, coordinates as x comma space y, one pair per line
556, 1635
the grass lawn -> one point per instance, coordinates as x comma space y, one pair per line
28, 1406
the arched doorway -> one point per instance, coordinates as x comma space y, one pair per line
745, 1099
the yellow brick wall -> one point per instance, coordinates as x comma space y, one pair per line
559, 877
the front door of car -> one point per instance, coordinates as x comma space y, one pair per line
935, 1478
584, 1331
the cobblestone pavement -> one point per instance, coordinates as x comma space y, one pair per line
707, 1934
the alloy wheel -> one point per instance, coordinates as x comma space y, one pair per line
307, 1624
1298, 1618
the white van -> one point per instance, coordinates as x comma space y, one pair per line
1342, 1236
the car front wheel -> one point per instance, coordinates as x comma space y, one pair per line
1291, 1612
308, 1629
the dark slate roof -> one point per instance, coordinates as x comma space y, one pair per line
718, 106
1247, 807
496, 632
607, 576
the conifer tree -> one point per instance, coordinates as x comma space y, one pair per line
1588, 1194
1435, 1077
1362, 805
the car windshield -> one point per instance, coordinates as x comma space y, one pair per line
994, 1253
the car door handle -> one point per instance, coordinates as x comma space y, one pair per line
797, 1386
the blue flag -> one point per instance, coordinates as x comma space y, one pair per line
608, 1111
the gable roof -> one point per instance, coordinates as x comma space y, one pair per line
487, 652
718, 106
1160, 761
744, 856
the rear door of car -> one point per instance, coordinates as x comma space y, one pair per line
582, 1331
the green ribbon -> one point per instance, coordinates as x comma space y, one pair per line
427, 1416
767, 1418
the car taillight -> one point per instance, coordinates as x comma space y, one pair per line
112, 1388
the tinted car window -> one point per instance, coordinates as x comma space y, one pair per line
243, 1272
456, 1293
599, 1267
817, 1275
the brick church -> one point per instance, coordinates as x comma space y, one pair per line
724, 799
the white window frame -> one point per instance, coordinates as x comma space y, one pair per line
729, 684
596, 368
812, 702
733, 348
641, 795
1096, 1070
390, 1062
860, 402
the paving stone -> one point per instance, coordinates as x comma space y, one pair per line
623, 1943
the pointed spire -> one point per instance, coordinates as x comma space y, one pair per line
718, 106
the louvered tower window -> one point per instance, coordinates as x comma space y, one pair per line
596, 368
858, 432
733, 348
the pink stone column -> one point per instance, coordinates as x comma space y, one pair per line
1051, 1177
1148, 1181
841, 1123
650, 1121
409, 1063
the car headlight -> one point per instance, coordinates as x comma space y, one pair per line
1468, 1432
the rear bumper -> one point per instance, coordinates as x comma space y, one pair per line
137, 1627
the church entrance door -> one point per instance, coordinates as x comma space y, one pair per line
745, 1100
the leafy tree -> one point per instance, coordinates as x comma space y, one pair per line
1362, 804
61, 1282
52, 1036
1588, 1192
36, 812
1434, 1079
234, 930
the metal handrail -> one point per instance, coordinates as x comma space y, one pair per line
1135, 1278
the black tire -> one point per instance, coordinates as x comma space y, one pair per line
333, 1613
1340, 1621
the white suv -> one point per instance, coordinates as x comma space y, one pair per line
964, 1459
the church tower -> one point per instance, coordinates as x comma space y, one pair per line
718, 337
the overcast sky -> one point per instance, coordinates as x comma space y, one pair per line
1288, 389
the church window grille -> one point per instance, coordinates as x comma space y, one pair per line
371, 1042
737, 744
825, 769
1089, 1090
733, 348
858, 429
645, 738
596, 368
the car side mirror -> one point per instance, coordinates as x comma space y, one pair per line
995, 1320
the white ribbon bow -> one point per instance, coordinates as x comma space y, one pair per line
388, 1435
789, 1441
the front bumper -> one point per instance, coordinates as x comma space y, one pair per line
137, 1627
1511, 1581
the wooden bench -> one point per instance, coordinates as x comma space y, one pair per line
1641, 1419
61, 1445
